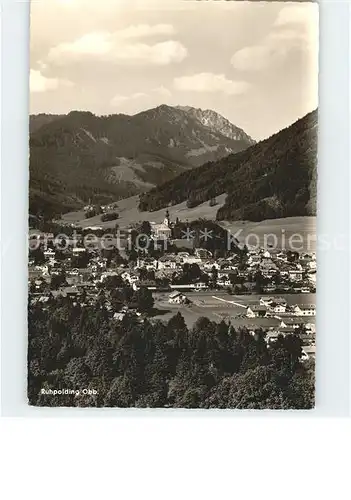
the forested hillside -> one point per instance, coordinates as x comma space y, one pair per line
271, 179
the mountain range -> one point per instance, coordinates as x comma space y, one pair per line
274, 178
79, 157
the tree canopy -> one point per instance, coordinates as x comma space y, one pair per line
149, 363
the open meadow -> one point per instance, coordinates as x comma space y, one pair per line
218, 305
300, 231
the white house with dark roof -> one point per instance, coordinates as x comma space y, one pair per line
49, 253
256, 311
167, 262
290, 323
304, 310
147, 263
296, 274
176, 297
278, 307
266, 301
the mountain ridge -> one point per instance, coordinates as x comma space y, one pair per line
81, 156
217, 122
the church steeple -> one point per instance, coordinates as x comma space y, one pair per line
167, 220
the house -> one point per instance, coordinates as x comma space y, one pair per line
78, 251
284, 272
310, 327
177, 298
268, 268
256, 311
295, 274
304, 310
281, 256
228, 267
308, 256
49, 254
275, 304
148, 264
272, 336
42, 299
118, 316
183, 255
223, 273
130, 277
45, 271
93, 228
266, 301
224, 281
87, 286
202, 253
108, 274
39, 285
309, 264
167, 262
207, 266
190, 259
290, 323
308, 352
278, 305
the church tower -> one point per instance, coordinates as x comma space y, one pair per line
167, 220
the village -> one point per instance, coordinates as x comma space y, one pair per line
266, 288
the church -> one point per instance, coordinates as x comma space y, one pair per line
162, 231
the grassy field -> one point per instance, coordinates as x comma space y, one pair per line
276, 232
129, 213
297, 233
217, 305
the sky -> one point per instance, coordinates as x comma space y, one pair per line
256, 63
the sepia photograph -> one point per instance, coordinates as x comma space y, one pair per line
172, 204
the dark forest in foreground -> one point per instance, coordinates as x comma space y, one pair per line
139, 363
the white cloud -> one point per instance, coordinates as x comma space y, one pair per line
210, 82
138, 95
40, 83
162, 91
296, 27
119, 99
136, 5
162, 53
144, 30
298, 14
90, 44
160, 5
253, 58
117, 47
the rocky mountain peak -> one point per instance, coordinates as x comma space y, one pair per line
217, 122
